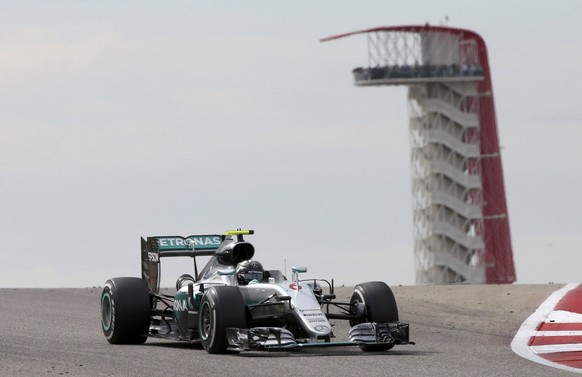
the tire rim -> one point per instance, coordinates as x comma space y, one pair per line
205, 321
106, 312
355, 301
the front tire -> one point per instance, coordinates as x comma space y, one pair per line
220, 308
125, 310
380, 307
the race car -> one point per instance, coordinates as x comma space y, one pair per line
233, 304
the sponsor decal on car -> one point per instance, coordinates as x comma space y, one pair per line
295, 287
180, 305
314, 317
196, 242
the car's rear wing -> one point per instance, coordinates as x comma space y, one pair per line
156, 247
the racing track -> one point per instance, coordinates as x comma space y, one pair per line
461, 330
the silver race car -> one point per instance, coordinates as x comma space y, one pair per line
234, 304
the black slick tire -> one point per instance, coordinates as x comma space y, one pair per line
220, 308
380, 307
125, 310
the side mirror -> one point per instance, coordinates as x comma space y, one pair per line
295, 271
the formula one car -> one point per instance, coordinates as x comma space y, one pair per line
234, 305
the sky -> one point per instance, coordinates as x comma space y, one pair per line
122, 119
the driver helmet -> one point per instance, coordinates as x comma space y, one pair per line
250, 271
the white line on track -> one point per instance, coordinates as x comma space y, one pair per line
557, 333
557, 348
562, 316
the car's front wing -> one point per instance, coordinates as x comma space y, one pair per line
280, 339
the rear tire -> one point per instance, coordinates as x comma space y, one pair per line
380, 307
125, 310
220, 308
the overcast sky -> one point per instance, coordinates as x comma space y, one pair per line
121, 119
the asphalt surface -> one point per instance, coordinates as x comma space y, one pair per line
460, 330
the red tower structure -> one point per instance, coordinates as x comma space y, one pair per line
460, 211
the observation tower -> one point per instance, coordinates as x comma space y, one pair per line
461, 225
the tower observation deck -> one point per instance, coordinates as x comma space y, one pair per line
461, 225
